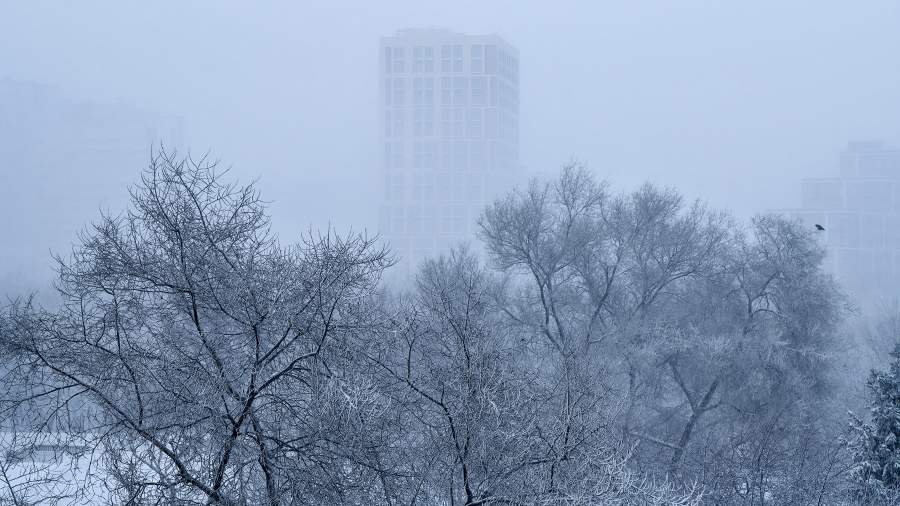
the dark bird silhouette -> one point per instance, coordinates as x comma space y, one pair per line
819, 227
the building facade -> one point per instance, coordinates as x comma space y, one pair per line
450, 136
860, 210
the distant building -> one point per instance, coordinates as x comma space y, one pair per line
40, 124
860, 211
62, 161
450, 132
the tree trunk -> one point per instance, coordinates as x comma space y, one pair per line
696, 413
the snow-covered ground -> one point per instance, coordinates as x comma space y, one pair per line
49, 468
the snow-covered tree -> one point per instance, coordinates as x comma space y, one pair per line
877, 442
219, 362
705, 342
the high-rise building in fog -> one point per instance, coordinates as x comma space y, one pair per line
450, 132
860, 210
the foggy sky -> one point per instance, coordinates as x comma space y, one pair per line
732, 102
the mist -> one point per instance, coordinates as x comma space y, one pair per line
733, 104
748, 108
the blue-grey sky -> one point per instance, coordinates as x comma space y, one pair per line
732, 102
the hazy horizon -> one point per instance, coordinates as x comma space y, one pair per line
733, 104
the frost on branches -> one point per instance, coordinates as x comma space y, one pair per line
877, 450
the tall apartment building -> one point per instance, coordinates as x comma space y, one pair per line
860, 210
450, 133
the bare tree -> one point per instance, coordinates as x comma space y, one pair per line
484, 402
476, 397
705, 328
215, 364
624, 349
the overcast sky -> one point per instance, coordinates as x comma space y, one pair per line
732, 102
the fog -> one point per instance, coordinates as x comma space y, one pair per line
602, 341
731, 103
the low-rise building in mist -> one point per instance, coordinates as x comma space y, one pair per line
62, 159
450, 132
860, 211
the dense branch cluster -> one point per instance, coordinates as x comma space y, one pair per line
612, 349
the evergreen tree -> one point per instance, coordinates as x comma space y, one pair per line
877, 443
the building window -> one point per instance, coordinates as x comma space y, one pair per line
460, 90
428, 90
413, 221
460, 155
417, 122
458, 114
429, 188
446, 123
473, 126
503, 99
446, 59
418, 186
424, 186
429, 220
494, 91
418, 91
446, 90
397, 115
399, 91
446, 220
397, 54
892, 233
444, 182
459, 186
387, 123
394, 186
429, 123
459, 219
476, 155
478, 91
429, 156
423, 91
418, 153
477, 61
429, 59
418, 59
387, 91
446, 155
387, 60
490, 123
457, 58
474, 184
490, 59
397, 186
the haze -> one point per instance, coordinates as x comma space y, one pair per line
589, 339
730, 102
